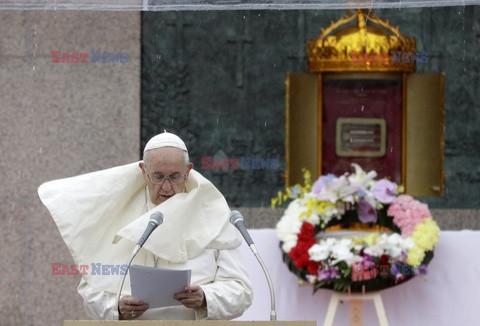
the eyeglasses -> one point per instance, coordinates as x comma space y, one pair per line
174, 179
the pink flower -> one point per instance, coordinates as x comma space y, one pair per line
407, 213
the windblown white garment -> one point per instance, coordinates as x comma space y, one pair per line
101, 215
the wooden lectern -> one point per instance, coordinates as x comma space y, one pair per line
187, 323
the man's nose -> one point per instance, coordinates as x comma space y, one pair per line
166, 185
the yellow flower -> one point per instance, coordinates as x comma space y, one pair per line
369, 240
300, 190
415, 256
273, 202
425, 235
307, 176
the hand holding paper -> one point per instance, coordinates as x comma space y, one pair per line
192, 297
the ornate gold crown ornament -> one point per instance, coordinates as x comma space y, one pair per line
370, 45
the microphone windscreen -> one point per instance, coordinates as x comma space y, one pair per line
235, 216
237, 220
157, 216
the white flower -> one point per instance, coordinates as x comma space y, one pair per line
394, 252
408, 243
374, 250
341, 250
381, 241
338, 189
395, 244
392, 245
322, 250
289, 226
394, 240
362, 178
288, 245
338, 250
319, 252
313, 218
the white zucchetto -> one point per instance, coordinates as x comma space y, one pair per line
165, 139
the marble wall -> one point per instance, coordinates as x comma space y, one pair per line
57, 120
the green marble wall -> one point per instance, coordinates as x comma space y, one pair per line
217, 79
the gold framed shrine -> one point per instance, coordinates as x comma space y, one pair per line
363, 102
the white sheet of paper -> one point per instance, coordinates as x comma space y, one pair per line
156, 286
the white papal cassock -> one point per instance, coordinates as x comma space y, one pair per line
101, 215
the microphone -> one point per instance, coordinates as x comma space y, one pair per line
237, 220
155, 220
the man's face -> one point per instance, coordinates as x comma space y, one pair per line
162, 164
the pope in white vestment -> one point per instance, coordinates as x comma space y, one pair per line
101, 215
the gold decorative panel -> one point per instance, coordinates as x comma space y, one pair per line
362, 42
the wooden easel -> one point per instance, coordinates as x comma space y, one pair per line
356, 303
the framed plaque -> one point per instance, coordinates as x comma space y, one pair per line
360, 137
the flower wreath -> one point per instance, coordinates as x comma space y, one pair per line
362, 261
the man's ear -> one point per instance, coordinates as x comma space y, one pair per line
141, 164
190, 166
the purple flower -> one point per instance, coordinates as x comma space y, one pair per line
367, 262
384, 191
394, 270
326, 274
366, 212
321, 182
361, 193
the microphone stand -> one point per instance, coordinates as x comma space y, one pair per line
120, 286
273, 314
155, 220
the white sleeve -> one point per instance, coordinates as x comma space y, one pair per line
230, 294
97, 303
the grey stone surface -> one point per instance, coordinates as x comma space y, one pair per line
83, 31
57, 120
12, 42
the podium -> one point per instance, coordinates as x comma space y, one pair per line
186, 323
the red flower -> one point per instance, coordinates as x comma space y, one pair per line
384, 259
307, 232
312, 267
299, 253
